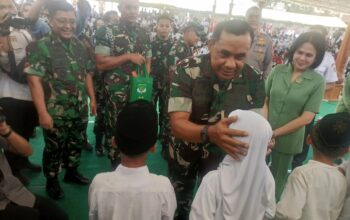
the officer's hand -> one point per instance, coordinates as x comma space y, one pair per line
46, 121
93, 108
137, 58
221, 135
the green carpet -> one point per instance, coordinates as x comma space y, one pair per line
76, 196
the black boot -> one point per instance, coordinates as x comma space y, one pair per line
73, 176
54, 189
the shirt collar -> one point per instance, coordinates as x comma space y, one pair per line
131, 171
319, 163
307, 74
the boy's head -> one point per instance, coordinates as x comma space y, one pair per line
331, 135
193, 32
136, 128
163, 26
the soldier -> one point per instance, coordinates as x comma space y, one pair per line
192, 34
119, 49
59, 78
260, 54
205, 89
159, 70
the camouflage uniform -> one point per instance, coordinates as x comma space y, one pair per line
179, 51
122, 38
63, 68
197, 90
161, 84
99, 127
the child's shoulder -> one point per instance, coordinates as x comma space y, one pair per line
160, 180
101, 177
313, 169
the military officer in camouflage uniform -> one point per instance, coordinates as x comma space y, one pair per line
205, 89
192, 34
260, 54
160, 72
119, 49
59, 78
180, 50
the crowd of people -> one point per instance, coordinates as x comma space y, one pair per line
230, 121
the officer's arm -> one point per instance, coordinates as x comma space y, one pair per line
110, 62
16, 143
219, 134
183, 128
37, 91
91, 93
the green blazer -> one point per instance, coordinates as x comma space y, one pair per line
288, 100
344, 102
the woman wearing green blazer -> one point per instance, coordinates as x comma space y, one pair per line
294, 93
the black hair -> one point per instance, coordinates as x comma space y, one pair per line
236, 27
107, 16
58, 5
331, 152
164, 17
317, 41
136, 128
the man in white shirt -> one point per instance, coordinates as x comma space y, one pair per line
131, 192
316, 191
15, 97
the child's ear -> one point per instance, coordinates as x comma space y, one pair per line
153, 149
114, 142
309, 140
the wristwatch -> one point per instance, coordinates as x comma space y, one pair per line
204, 134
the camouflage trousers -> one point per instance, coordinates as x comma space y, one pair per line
67, 138
112, 112
161, 95
187, 166
99, 126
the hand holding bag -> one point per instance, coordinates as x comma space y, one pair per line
141, 84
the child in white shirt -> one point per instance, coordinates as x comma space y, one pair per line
316, 191
244, 189
131, 192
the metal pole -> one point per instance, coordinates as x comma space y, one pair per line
230, 10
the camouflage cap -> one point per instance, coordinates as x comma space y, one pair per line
198, 28
334, 130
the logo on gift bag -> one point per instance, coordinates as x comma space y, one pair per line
142, 89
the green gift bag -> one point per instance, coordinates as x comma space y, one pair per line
141, 85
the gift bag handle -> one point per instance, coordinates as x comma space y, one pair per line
141, 70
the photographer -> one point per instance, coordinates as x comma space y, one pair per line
16, 202
15, 97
